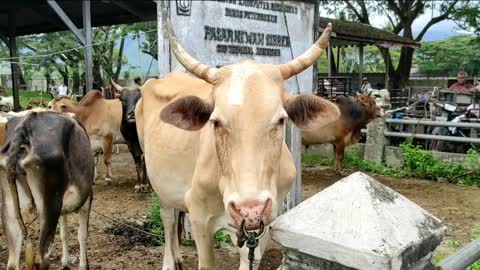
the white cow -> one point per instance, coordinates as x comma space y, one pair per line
214, 146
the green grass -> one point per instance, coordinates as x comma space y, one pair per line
156, 225
417, 163
25, 96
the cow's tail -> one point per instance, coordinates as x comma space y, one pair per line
13, 151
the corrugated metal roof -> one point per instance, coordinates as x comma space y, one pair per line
347, 33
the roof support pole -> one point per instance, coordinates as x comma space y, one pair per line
14, 59
87, 28
360, 67
64, 17
387, 67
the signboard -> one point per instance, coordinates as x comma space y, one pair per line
223, 32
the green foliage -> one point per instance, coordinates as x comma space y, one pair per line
313, 159
447, 57
453, 243
221, 237
156, 225
25, 96
417, 163
421, 163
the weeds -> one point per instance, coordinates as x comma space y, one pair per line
417, 163
156, 225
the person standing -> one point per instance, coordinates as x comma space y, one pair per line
62, 90
365, 85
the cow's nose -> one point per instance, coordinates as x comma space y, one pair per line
131, 114
252, 212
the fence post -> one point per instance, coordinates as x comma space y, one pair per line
376, 140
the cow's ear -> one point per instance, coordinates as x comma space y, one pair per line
189, 113
309, 111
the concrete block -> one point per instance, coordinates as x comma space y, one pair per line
375, 140
358, 223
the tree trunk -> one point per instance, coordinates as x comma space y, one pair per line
21, 79
76, 80
65, 76
119, 60
97, 76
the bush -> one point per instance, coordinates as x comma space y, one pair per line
417, 163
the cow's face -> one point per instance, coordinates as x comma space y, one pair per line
246, 115
129, 98
371, 107
60, 104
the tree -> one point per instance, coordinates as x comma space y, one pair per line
401, 15
447, 57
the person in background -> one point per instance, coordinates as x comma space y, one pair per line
365, 85
62, 89
138, 81
462, 85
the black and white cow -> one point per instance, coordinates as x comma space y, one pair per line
49, 166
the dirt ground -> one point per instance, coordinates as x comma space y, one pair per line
458, 207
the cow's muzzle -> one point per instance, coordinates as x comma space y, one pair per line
252, 214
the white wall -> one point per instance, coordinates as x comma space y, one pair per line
205, 30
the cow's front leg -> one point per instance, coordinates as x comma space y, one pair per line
339, 155
107, 157
202, 231
170, 225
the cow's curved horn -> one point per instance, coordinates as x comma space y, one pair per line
309, 57
198, 69
116, 86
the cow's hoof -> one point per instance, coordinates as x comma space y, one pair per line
108, 181
137, 189
144, 188
340, 172
178, 265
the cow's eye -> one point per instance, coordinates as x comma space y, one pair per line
281, 121
216, 123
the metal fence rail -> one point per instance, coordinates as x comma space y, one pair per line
432, 123
432, 137
463, 258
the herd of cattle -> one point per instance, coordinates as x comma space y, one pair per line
211, 144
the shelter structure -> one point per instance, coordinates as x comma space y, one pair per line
27, 17
357, 34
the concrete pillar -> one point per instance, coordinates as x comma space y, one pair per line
376, 140
357, 223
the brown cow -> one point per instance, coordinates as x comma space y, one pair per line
39, 102
356, 113
100, 117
